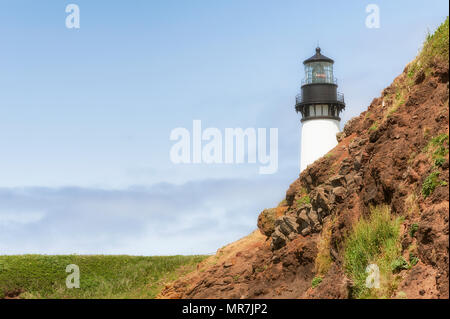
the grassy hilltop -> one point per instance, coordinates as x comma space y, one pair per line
40, 276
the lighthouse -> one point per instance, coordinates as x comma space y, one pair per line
320, 105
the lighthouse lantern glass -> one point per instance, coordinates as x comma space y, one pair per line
319, 72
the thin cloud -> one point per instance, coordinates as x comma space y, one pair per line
193, 218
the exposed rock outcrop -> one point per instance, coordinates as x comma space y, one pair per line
324, 198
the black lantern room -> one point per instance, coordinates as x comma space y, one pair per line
319, 98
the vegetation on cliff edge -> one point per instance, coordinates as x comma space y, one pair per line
375, 240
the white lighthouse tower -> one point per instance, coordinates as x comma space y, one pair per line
320, 105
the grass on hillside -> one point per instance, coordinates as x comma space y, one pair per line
375, 240
435, 48
323, 259
437, 148
40, 276
435, 51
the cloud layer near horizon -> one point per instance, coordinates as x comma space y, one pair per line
193, 218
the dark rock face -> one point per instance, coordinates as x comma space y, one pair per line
308, 218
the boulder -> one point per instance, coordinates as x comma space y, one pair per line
320, 199
266, 221
337, 180
339, 193
306, 231
340, 136
350, 178
346, 166
350, 127
357, 162
303, 219
314, 218
278, 240
286, 225
358, 180
291, 222
354, 144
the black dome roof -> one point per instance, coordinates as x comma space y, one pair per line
318, 57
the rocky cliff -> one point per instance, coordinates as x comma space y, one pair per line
379, 197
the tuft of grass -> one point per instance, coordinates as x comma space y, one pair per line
402, 295
438, 162
399, 264
431, 182
413, 229
42, 276
374, 127
303, 200
316, 281
438, 144
440, 140
399, 100
323, 260
438, 148
413, 259
375, 240
412, 204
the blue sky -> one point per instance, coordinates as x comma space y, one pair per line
85, 115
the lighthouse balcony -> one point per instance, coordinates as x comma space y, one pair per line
320, 109
301, 100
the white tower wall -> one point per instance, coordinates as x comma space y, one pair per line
318, 138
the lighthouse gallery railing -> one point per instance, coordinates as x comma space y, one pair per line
299, 98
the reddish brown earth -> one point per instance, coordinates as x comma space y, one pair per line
380, 160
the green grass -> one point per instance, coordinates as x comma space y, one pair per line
375, 240
303, 200
413, 259
439, 147
41, 276
413, 229
399, 100
316, 281
438, 162
374, 127
323, 260
431, 182
399, 264
438, 144
435, 49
